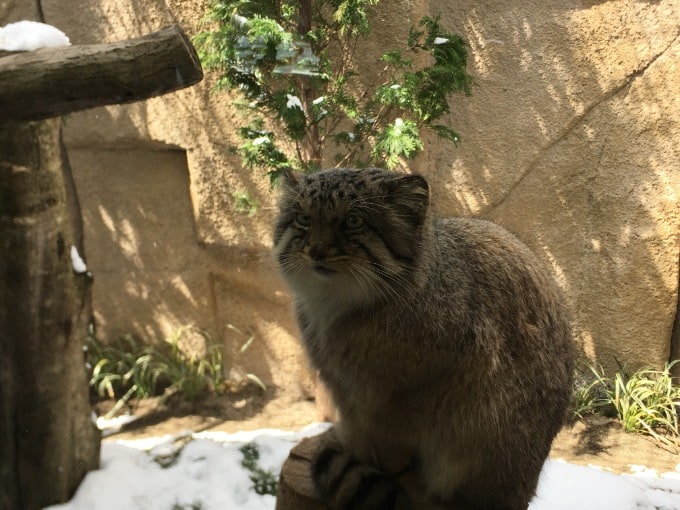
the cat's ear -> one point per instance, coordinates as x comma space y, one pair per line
289, 180
411, 192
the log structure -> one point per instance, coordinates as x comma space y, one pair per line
48, 440
54, 81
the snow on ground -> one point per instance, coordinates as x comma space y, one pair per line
31, 35
207, 474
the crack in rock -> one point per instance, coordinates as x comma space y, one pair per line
577, 120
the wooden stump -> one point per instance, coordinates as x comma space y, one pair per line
296, 491
48, 441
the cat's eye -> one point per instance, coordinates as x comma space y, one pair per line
303, 219
354, 222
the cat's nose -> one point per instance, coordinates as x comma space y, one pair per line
317, 251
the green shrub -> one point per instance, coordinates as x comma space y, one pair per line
294, 65
191, 506
124, 368
190, 375
646, 401
127, 369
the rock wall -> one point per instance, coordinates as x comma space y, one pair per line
570, 140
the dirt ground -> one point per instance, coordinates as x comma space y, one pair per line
599, 441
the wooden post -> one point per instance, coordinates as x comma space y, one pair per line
48, 440
47, 437
296, 491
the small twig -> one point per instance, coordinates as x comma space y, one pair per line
121, 402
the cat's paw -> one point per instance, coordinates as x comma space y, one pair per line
344, 483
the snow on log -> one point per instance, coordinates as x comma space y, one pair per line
29, 35
53, 81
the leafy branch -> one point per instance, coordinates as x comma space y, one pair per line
294, 65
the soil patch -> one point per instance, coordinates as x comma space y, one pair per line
596, 440
244, 409
602, 442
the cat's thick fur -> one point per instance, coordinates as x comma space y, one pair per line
443, 342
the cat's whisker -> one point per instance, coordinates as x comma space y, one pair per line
364, 282
381, 284
366, 204
386, 291
291, 264
387, 277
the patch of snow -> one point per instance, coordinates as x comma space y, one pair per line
662, 489
113, 425
240, 21
260, 140
208, 474
77, 262
293, 102
564, 486
398, 126
31, 35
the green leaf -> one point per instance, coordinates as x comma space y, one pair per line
257, 381
396, 58
351, 16
445, 132
256, 50
398, 140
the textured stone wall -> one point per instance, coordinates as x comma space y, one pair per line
571, 140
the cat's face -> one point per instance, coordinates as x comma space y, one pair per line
353, 232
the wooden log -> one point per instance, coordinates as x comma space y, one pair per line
296, 491
48, 441
53, 81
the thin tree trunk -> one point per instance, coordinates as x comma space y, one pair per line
48, 441
675, 334
313, 148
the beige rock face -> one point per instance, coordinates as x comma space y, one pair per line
571, 140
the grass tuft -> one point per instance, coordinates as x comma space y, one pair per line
127, 369
645, 402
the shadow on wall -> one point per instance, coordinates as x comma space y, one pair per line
222, 276
151, 276
570, 141
88, 22
139, 240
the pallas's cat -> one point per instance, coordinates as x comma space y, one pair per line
443, 342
